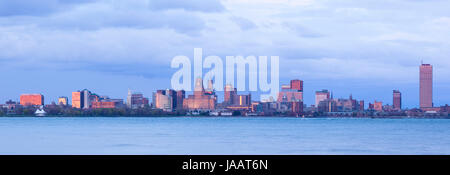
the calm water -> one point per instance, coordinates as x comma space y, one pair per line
183, 135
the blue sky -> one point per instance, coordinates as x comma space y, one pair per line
363, 47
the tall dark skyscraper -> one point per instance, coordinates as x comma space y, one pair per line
397, 100
426, 86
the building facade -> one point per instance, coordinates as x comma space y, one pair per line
32, 99
64, 101
136, 100
321, 96
426, 86
200, 100
292, 92
378, 106
397, 100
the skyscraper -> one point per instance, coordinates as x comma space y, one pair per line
136, 100
76, 100
86, 99
229, 94
292, 92
397, 100
297, 85
321, 96
426, 86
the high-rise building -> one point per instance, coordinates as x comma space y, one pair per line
76, 100
200, 100
86, 99
292, 92
181, 94
244, 100
83, 99
321, 96
426, 86
230, 94
31, 99
169, 99
397, 100
136, 100
163, 99
64, 101
297, 85
361, 105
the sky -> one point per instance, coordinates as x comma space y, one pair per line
366, 48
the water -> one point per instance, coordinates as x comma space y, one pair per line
185, 135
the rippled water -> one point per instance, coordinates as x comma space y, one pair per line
240, 135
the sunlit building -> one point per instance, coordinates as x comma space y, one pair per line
378, 106
136, 100
64, 101
426, 86
200, 100
321, 96
76, 100
31, 99
292, 92
106, 103
397, 100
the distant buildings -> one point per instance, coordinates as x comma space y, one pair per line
201, 100
397, 100
361, 105
136, 100
164, 99
378, 106
76, 100
64, 101
85, 99
81, 99
232, 99
321, 96
230, 94
31, 99
426, 86
292, 92
105, 102
340, 105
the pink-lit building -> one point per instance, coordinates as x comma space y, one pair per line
397, 100
426, 86
297, 85
321, 96
31, 99
201, 100
378, 106
292, 92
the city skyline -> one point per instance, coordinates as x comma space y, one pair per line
288, 93
348, 47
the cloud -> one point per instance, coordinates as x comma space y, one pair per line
105, 14
301, 30
191, 5
243, 23
36, 7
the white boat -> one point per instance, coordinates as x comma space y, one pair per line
251, 114
226, 113
40, 112
214, 114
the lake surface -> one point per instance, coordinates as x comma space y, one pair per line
240, 135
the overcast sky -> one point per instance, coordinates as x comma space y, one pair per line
364, 47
